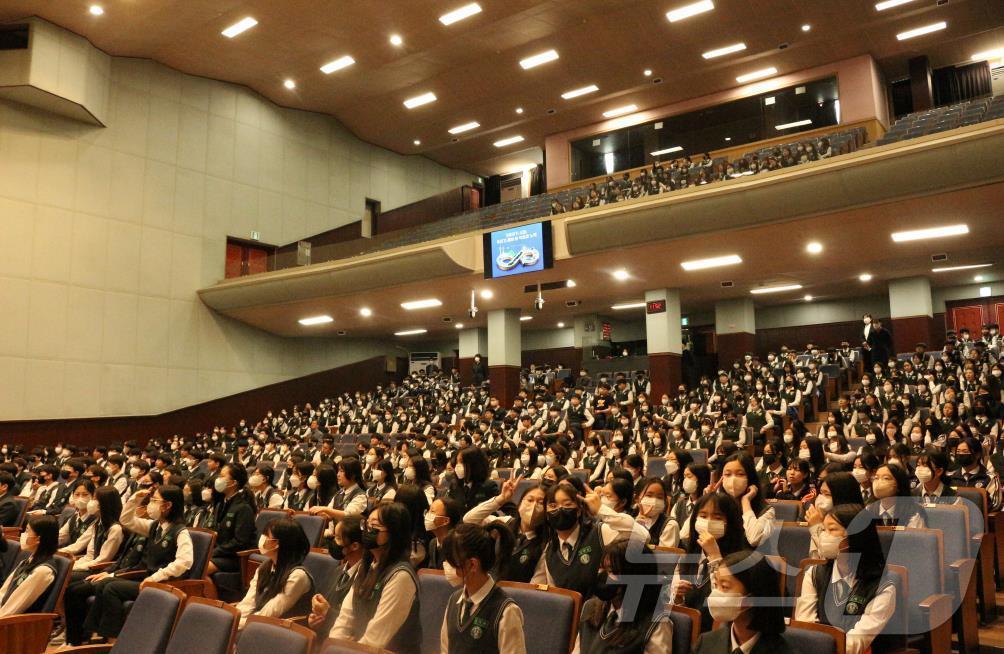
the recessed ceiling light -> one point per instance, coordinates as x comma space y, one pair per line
417, 142
620, 111
797, 123
96, 10
459, 14
989, 54
686, 11
395, 39
865, 277
508, 141
338, 64
487, 294
239, 27
889, 4
931, 232
978, 278
315, 320
675, 148
921, 31
713, 262
570, 283
966, 267
410, 332
466, 127
421, 304
419, 100
728, 138
807, 298
814, 247
776, 289
568, 95
459, 325
366, 312
538, 59
806, 28
628, 305
289, 84
621, 275
519, 110
647, 72
721, 52
757, 74
561, 325
525, 318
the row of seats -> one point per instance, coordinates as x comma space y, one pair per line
940, 119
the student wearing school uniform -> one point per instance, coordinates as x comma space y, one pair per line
838, 488
581, 526
10, 512
443, 516
653, 514
384, 486
931, 470
849, 591
350, 498
528, 527
480, 616
696, 477
73, 534
25, 587
347, 548
281, 586
739, 479
298, 494
234, 518
260, 483
896, 505
382, 607
105, 535
745, 602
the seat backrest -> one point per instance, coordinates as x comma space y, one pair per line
22, 507
550, 616
150, 621
786, 510
656, 467
203, 542
206, 626
921, 552
66, 514
265, 516
815, 638
522, 487
313, 526
700, 455
789, 541
9, 558
434, 594
978, 498
953, 521
263, 635
666, 560
64, 565
686, 628
323, 569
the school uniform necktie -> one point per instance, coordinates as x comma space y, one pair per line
465, 609
566, 551
840, 591
887, 520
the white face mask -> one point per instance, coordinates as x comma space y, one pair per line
608, 502
312, 482
870, 439
371, 459
829, 545
653, 505
207, 495
689, 485
924, 474
430, 520
714, 527
24, 542
549, 459
135, 473
220, 484
409, 474
262, 541
452, 577
378, 476
153, 510
804, 454
725, 607
528, 512
80, 503
93, 507
916, 436
256, 481
460, 471
735, 486
834, 446
860, 475
824, 504
672, 467
295, 482
789, 438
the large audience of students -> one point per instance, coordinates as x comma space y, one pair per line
424, 474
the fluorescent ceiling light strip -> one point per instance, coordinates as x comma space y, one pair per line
538, 59
713, 262
411, 332
421, 304
675, 148
989, 54
797, 123
968, 267
686, 11
620, 111
338, 64
508, 141
568, 95
459, 14
628, 305
757, 74
466, 127
315, 320
776, 289
921, 31
721, 52
239, 27
419, 100
889, 4
931, 232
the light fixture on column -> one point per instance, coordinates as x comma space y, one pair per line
473, 310
538, 302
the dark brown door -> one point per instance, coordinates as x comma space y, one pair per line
970, 317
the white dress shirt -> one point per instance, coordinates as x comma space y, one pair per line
183, 556
395, 604
297, 584
30, 590
511, 638
113, 540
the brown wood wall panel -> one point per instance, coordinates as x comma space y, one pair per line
907, 332
990, 307
568, 357
450, 203
225, 411
665, 372
731, 347
504, 382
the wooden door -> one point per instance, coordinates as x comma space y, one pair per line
257, 261
235, 260
999, 313
970, 317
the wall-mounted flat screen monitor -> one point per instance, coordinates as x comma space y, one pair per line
518, 250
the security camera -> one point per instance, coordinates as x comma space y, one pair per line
538, 303
473, 311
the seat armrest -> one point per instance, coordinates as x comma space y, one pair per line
132, 574
103, 648
937, 610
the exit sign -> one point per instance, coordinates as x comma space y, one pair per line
255, 236
655, 306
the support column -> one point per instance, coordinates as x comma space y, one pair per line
735, 329
920, 83
664, 336
505, 350
911, 312
472, 341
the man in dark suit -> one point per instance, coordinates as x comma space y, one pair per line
479, 371
10, 511
879, 343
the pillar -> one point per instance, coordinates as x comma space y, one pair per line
911, 312
735, 329
664, 336
920, 83
505, 351
472, 341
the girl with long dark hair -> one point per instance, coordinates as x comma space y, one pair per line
25, 588
527, 526
105, 535
281, 586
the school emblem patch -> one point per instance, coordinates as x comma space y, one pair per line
476, 632
524, 557
584, 554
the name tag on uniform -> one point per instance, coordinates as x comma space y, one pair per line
585, 554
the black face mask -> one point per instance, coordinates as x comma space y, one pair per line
604, 590
965, 460
336, 550
369, 539
546, 483
563, 519
64, 474
769, 459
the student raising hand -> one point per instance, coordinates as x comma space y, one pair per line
509, 489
